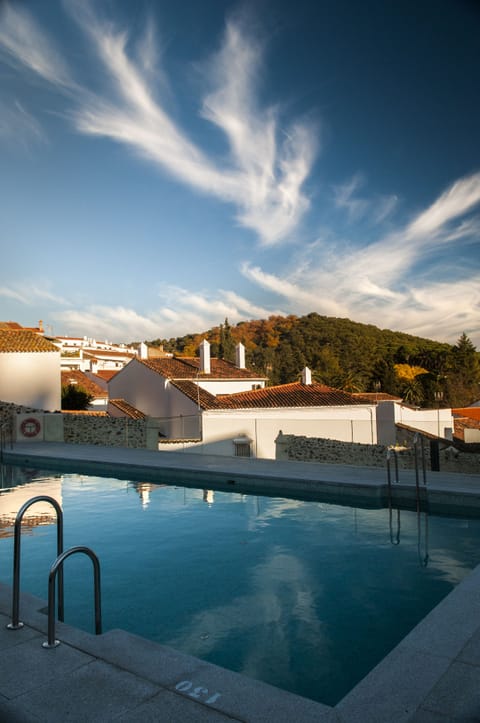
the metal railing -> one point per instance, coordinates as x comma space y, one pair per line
5, 437
15, 624
57, 568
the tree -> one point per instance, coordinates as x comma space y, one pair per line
226, 346
464, 379
75, 397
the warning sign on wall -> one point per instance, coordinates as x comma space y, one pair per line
29, 427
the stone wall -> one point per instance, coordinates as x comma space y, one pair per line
104, 430
330, 451
84, 428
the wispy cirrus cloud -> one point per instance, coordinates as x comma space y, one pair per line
180, 311
347, 198
394, 280
22, 42
18, 126
30, 293
267, 165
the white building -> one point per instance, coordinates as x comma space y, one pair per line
154, 386
29, 370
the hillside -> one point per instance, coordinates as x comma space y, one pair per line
348, 355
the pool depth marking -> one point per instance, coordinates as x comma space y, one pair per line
199, 692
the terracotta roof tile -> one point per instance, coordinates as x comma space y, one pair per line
80, 379
472, 412
106, 374
289, 395
284, 395
127, 409
197, 394
188, 368
460, 424
23, 341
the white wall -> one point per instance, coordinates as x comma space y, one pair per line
434, 421
262, 426
31, 379
226, 386
141, 387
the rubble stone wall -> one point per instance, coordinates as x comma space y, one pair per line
331, 451
105, 431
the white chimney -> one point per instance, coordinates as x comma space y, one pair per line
240, 355
306, 376
143, 350
205, 357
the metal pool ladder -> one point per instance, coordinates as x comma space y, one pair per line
57, 567
15, 624
55, 570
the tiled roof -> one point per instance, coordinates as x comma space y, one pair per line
289, 395
106, 374
23, 341
85, 412
460, 424
197, 394
188, 368
127, 409
472, 412
80, 379
12, 325
284, 395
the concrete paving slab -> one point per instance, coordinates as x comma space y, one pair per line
249, 699
170, 708
96, 693
395, 689
157, 663
28, 665
457, 694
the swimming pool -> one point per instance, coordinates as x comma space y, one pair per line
307, 596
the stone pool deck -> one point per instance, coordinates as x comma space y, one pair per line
432, 675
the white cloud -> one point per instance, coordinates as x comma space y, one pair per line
457, 200
18, 126
30, 294
22, 42
394, 281
181, 312
376, 208
266, 168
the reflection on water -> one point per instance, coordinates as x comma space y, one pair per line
307, 596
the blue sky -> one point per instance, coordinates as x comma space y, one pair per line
164, 165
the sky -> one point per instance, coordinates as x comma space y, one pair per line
166, 165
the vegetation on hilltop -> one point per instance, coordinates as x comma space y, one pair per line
347, 355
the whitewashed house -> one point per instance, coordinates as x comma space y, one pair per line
154, 386
29, 370
210, 406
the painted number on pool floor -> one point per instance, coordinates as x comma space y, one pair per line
198, 692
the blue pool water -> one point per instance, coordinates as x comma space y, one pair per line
306, 596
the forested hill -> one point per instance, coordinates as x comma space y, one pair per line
347, 355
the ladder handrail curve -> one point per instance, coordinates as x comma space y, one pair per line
56, 567
15, 624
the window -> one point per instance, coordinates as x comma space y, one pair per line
242, 449
242, 446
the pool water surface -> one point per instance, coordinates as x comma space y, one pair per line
307, 596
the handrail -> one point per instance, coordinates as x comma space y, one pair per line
422, 558
392, 452
58, 567
418, 443
3, 437
15, 624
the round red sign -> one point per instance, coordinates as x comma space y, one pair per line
30, 427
